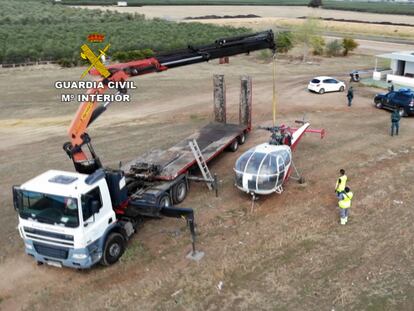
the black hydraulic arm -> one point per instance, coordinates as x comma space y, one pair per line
120, 72
179, 212
220, 48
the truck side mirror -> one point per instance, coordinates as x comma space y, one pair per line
95, 206
17, 195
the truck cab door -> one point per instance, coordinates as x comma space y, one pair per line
97, 212
17, 197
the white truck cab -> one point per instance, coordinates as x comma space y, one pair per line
77, 220
68, 224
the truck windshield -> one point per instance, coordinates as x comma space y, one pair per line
48, 208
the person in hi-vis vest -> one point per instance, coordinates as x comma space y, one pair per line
341, 183
344, 203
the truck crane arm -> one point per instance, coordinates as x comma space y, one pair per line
91, 110
192, 55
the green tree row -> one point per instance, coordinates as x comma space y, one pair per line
307, 37
38, 30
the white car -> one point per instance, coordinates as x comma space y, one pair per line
326, 84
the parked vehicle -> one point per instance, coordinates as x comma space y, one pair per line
402, 100
355, 77
326, 84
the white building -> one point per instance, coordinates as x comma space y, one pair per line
122, 3
402, 68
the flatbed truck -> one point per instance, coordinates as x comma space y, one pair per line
77, 219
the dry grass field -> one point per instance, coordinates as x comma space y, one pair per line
289, 253
180, 12
281, 17
347, 28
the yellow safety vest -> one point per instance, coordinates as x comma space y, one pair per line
346, 201
340, 186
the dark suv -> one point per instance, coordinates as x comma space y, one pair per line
402, 100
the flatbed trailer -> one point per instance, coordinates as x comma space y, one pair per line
212, 139
160, 178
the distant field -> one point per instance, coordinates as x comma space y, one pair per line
362, 6
188, 2
377, 7
273, 17
347, 29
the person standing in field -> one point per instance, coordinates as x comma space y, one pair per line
395, 122
344, 203
341, 182
350, 95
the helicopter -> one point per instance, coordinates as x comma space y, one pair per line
263, 169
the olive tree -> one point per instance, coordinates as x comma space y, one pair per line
305, 35
349, 45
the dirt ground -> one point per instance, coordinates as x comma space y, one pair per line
289, 253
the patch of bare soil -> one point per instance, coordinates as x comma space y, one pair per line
225, 16
359, 21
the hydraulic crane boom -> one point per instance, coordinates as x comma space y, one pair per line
193, 55
90, 111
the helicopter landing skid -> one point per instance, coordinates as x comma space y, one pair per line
298, 177
254, 199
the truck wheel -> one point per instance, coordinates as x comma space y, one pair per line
234, 146
113, 250
179, 191
165, 200
242, 139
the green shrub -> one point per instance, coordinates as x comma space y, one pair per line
265, 55
333, 48
124, 56
317, 44
349, 44
66, 63
120, 56
284, 41
305, 34
315, 3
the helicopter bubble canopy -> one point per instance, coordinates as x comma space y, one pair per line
262, 169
